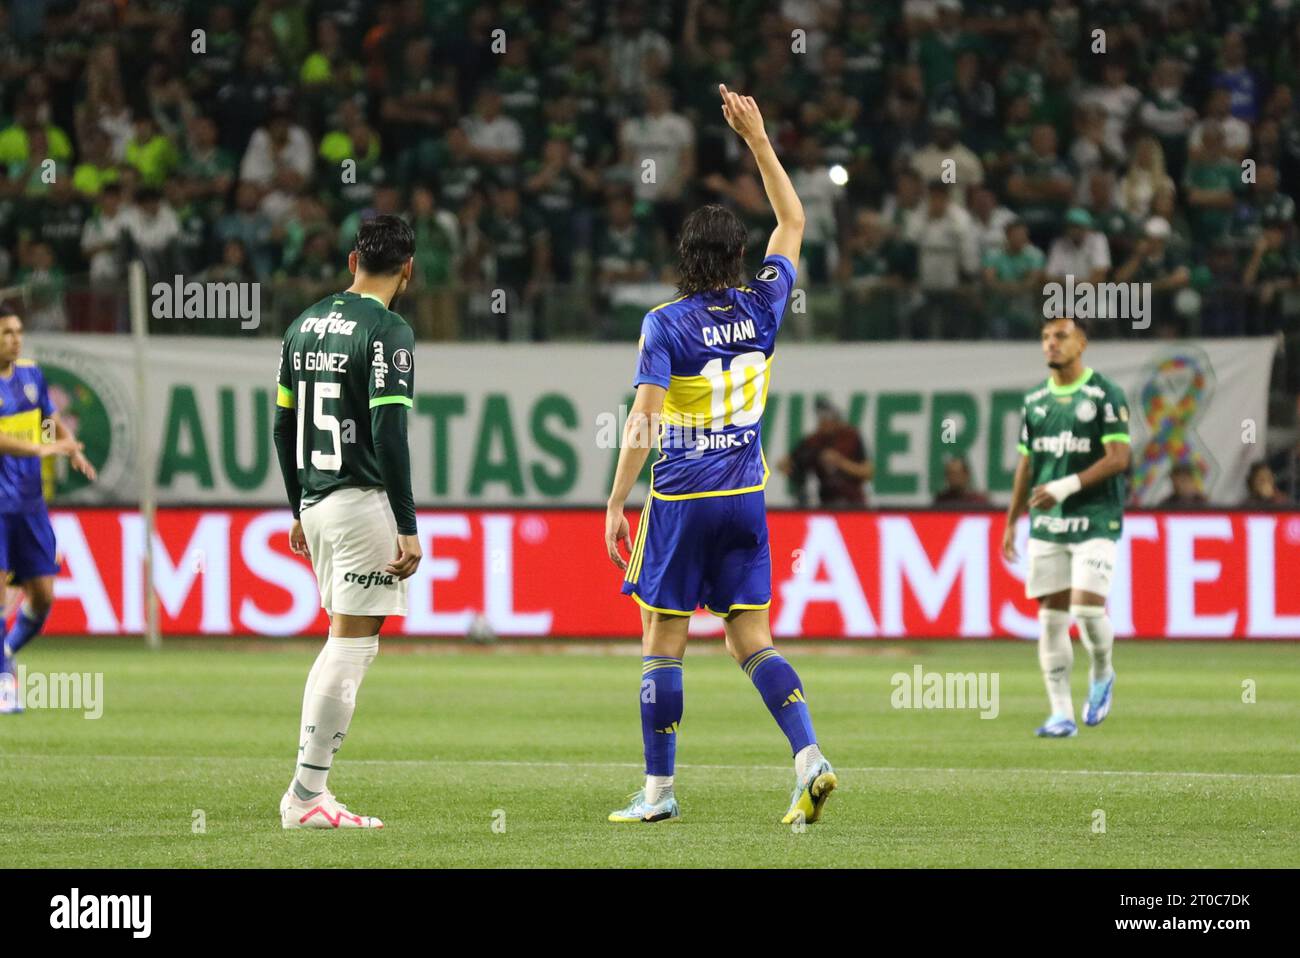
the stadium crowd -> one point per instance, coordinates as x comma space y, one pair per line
1111, 140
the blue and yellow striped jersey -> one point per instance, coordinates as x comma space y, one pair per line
713, 353
24, 404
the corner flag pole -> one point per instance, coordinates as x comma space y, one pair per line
144, 447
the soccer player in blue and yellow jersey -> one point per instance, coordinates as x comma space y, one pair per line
27, 556
701, 383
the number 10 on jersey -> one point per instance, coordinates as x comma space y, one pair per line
737, 393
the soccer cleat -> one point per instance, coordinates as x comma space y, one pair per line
639, 810
323, 811
8, 684
1098, 704
1057, 726
810, 795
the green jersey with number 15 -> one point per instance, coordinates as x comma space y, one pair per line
341, 358
1064, 430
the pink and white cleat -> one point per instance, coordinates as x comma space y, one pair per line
323, 811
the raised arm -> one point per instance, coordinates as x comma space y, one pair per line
741, 113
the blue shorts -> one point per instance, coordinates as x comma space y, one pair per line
27, 545
711, 551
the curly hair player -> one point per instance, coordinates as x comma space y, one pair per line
701, 384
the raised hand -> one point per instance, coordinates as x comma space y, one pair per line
742, 115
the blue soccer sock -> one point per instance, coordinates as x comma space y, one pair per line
661, 712
778, 683
26, 626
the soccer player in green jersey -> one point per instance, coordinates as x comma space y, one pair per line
347, 376
1074, 453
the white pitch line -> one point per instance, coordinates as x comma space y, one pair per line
866, 769
889, 769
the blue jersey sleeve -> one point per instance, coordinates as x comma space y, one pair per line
47, 407
772, 285
653, 364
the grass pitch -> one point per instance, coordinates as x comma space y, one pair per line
512, 756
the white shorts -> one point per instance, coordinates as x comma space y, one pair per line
1058, 566
352, 535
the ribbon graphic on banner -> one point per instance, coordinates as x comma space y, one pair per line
1172, 399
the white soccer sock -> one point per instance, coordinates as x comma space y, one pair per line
657, 787
1056, 656
306, 698
808, 756
1098, 637
328, 704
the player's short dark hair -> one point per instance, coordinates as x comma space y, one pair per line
711, 250
8, 308
1080, 323
384, 244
